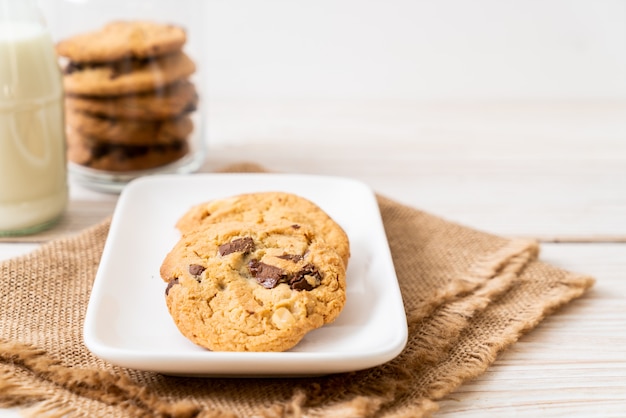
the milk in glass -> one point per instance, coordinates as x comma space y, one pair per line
33, 183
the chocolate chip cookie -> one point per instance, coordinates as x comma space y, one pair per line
95, 154
126, 76
130, 131
166, 103
123, 39
268, 206
240, 286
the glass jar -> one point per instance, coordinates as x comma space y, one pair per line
132, 72
33, 174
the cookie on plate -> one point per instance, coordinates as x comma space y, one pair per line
126, 76
268, 206
166, 103
123, 39
239, 286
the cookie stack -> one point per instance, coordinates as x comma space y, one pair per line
129, 98
255, 272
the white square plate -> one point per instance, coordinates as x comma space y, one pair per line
128, 324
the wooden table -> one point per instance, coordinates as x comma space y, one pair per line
555, 171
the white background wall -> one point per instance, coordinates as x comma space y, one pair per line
417, 49
444, 72
392, 49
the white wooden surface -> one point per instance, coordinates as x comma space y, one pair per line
551, 170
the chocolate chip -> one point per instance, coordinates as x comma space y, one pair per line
191, 107
73, 67
292, 257
268, 282
266, 275
240, 245
306, 279
196, 269
295, 226
169, 285
120, 68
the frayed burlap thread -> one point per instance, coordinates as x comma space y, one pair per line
468, 295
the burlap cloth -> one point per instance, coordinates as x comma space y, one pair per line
468, 295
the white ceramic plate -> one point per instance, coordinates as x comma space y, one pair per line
128, 324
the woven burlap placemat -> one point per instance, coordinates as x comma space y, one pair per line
468, 295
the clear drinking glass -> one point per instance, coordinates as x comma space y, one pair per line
33, 173
134, 88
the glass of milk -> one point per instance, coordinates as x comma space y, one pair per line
33, 179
